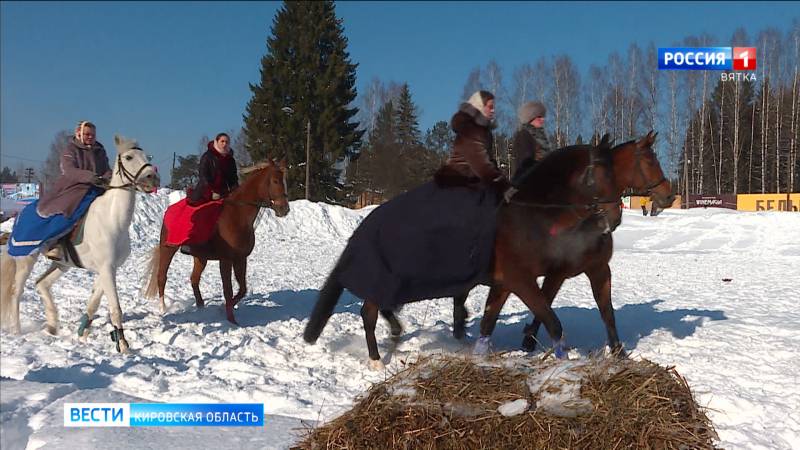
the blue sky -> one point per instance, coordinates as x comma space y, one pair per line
168, 73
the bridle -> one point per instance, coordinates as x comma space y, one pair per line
639, 171
131, 178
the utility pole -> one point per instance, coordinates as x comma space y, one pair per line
308, 160
172, 174
29, 174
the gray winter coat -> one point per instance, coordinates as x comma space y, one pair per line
80, 167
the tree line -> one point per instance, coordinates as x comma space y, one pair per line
716, 136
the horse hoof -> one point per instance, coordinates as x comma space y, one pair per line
52, 330
482, 346
123, 347
162, 309
376, 365
618, 352
529, 343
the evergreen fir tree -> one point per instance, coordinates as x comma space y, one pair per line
306, 77
440, 138
407, 132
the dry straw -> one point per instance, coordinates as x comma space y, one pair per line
450, 402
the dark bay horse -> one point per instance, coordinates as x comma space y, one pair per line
569, 187
233, 239
558, 255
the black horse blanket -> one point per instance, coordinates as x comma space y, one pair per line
426, 243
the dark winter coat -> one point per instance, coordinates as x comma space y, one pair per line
530, 145
435, 240
470, 159
217, 175
81, 165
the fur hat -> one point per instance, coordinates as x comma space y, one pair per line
529, 111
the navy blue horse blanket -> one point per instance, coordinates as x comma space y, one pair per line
32, 231
427, 243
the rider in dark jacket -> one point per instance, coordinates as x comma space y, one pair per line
218, 175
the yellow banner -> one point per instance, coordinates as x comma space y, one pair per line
636, 202
768, 202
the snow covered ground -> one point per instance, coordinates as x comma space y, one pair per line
735, 341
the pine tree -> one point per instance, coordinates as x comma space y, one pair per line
440, 138
407, 131
306, 77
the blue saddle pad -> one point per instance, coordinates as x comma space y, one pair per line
32, 231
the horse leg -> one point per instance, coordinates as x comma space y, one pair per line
107, 277
91, 309
600, 277
240, 272
197, 272
530, 294
24, 267
494, 304
459, 315
369, 314
550, 287
165, 256
227, 288
43, 285
396, 326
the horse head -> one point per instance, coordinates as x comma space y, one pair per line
645, 171
132, 167
271, 185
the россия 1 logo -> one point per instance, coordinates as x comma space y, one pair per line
737, 59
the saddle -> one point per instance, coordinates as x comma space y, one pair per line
64, 249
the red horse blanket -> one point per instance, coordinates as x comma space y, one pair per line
191, 224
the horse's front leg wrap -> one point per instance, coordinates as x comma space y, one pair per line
85, 323
560, 350
119, 338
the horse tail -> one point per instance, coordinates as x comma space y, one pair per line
151, 289
8, 270
328, 297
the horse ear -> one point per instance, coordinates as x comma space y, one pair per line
117, 139
282, 164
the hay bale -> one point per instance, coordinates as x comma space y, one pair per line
455, 402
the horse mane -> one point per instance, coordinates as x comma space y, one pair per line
244, 186
254, 167
553, 173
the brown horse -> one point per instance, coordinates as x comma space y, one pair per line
233, 239
573, 186
558, 255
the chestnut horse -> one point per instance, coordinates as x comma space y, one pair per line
573, 186
558, 254
233, 239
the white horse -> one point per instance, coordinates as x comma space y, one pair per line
105, 247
